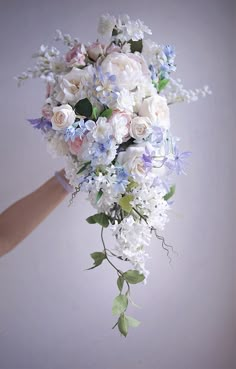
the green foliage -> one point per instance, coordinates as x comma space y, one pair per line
95, 113
99, 195
83, 167
100, 218
120, 304
98, 258
132, 322
136, 46
133, 276
125, 203
120, 283
162, 84
106, 113
123, 325
170, 193
132, 184
84, 108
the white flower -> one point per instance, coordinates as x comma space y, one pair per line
125, 67
140, 128
56, 146
106, 25
156, 109
125, 101
119, 122
102, 130
63, 116
71, 85
132, 160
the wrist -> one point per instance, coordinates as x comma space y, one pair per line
60, 177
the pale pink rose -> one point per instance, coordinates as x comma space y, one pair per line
120, 122
112, 48
75, 146
47, 112
76, 55
95, 50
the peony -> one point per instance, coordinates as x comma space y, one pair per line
128, 70
63, 116
156, 109
140, 128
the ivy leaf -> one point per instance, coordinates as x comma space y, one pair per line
123, 325
170, 193
136, 46
99, 195
83, 167
98, 258
120, 283
162, 84
84, 108
132, 322
100, 218
133, 276
125, 203
120, 304
106, 113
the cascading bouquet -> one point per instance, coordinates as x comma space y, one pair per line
107, 113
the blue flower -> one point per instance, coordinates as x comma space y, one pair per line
41, 123
121, 179
178, 163
169, 51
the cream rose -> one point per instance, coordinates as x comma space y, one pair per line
140, 128
156, 109
132, 160
63, 116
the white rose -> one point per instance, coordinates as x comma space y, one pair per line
63, 116
132, 160
119, 122
128, 71
140, 128
71, 85
156, 109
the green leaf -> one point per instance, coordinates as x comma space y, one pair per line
132, 184
120, 283
170, 193
99, 195
95, 113
106, 113
83, 167
98, 258
132, 322
162, 84
136, 46
125, 203
133, 276
100, 218
84, 108
120, 304
123, 325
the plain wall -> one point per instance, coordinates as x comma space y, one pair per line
54, 315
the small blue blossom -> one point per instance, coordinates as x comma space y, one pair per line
121, 179
169, 51
41, 123
178, 163
153, 72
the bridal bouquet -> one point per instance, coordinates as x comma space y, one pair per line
107, 113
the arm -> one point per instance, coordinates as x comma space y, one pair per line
21, 218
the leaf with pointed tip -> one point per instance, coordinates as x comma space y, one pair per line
132, 322
99, 195
100, 218
106, 113
120, 304
125, 203
133, 276
98, 258
123, 325
83, 167
84, 108
120, 282
162, 84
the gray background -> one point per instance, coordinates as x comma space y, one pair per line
54, 315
